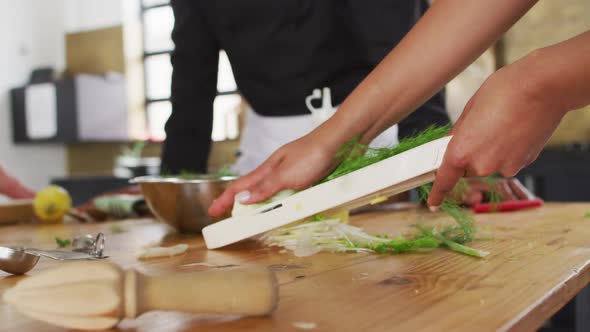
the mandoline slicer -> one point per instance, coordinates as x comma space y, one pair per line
385, 178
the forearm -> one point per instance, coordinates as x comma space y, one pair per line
561, 73
4, 178
451, 35
12, 188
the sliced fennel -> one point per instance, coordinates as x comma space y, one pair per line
312, 236
335, 235
321, 233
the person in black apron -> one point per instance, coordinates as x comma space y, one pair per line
286, 56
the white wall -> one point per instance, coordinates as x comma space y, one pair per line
82, 15
31, 35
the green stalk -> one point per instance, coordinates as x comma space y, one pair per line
401, 245
464, 249
354, 159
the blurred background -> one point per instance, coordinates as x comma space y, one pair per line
85, 87
106, 65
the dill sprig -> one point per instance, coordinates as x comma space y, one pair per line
401, 245
464, 231
494, 194
355, 155
62, 243
454, 237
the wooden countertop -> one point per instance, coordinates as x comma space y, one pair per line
539, 260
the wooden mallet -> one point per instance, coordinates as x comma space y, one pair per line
94, 295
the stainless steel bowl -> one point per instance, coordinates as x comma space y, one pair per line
183, 203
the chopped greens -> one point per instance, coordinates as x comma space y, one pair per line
335, 235
135, 150
401, 245
62, 243
464, 230
495, 196
332, 233
224, 171
354, 159
321, 233
188, 175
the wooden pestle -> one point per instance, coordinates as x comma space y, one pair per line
94, 295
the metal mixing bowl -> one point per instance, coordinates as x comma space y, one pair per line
183, 203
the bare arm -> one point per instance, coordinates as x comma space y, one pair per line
12, 188
563, 72
451, 35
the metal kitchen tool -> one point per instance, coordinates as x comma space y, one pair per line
89, 244
21, 260
97, 295
386, 178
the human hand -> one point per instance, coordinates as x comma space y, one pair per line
478, 190
296, 165
502, 129
12, 188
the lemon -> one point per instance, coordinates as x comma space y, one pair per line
51, 204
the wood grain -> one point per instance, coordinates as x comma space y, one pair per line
539, 260
16, 211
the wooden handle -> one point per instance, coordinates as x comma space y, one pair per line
251, 292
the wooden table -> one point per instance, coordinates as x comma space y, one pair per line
539, 260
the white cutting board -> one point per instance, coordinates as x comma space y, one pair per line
388, 177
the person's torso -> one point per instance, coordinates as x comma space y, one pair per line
281, 50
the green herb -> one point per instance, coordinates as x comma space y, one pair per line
494, 194
318, 233
587, 214
224, 171
62, 243
354, 158
445, 240
318, 217
461, 188
401, 245
454, 237
465, 250
187, 175
465, 229
135, 151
